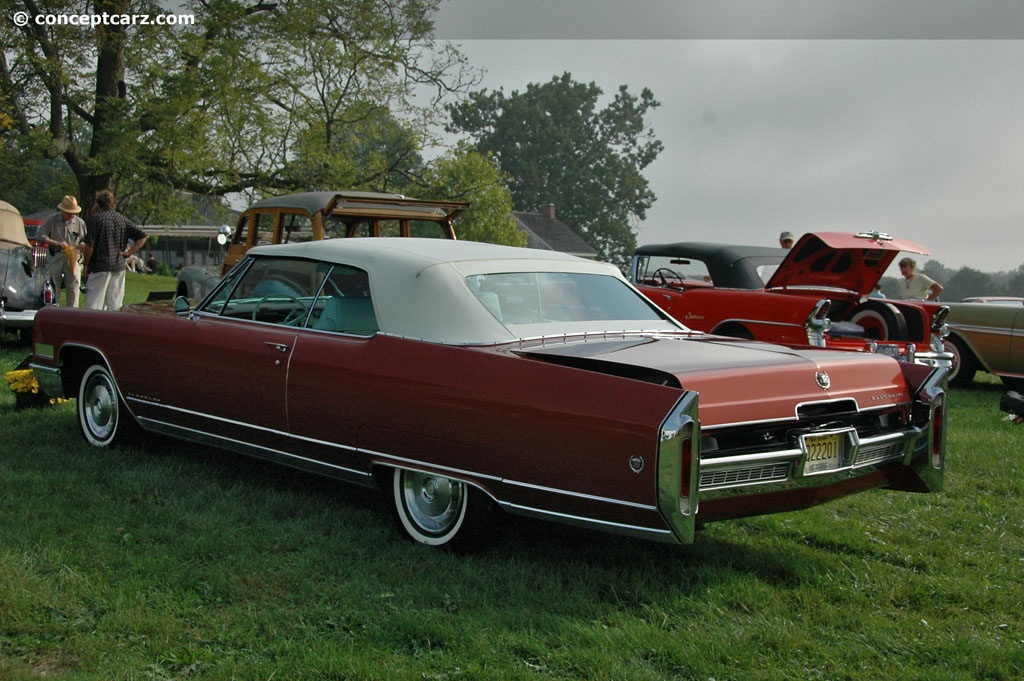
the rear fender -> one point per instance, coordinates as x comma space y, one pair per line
926, 460
679, 468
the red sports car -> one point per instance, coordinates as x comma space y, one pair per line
782, 296
467, 378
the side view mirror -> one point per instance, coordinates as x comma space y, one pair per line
181, 304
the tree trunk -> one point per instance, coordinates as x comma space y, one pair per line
111, 100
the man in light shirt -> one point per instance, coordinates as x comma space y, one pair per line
916, 285
60, 231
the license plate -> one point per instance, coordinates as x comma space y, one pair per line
822, 453
888, 349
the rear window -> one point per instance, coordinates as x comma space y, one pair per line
548, 297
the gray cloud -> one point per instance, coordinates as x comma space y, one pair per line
922, 138
730, 19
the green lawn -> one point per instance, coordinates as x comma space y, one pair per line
178, 562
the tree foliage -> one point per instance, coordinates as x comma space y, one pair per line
559, 147
255, 96
466, 175
966, 282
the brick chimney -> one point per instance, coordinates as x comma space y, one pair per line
548, 210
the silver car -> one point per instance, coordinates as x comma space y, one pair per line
26, 286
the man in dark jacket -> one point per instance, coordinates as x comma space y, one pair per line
112, 238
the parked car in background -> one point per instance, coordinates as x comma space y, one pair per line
39, 252
986, 337
466, 378
996, 300
313, 216
26, 286
785, 296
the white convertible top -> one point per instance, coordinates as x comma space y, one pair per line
419, 286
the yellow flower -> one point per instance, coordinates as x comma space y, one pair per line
22, 381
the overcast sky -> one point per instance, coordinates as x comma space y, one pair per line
905, 116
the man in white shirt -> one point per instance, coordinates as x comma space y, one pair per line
915, 285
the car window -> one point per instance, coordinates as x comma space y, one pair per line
426, 229
543, 297
765, 272
658, 270
241, 235
265, 228
270, 290
337, 227
344, 304
296, 227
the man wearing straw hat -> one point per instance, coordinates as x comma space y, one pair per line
61, 234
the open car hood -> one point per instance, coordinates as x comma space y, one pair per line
840, 260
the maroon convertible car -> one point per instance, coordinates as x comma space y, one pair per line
465, 378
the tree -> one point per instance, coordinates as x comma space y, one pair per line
237, 101
1015, 286
968, 282
465, 175
558, 147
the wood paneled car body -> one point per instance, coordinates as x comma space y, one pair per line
782, 296
314, 216
465, 377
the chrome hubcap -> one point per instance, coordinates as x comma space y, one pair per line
100, 409
433, 501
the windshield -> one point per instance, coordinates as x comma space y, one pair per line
658, 270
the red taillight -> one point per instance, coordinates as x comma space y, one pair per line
47, 295
938, 430
687, 469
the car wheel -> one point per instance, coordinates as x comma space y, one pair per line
101, 413
735, 331
438, 511
1016, 384
965, 364
880, 321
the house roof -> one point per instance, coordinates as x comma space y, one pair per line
546, 232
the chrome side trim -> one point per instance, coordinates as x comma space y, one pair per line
580, 495
259, 451
759, 322
653, 533
202, 414
989, 330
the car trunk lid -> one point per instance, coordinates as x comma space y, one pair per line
743, 381
840, 261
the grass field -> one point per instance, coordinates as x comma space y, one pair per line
178, 562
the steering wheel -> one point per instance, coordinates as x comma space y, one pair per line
279, 298
296, 316
664, 273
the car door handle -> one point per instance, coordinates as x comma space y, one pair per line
280, 347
